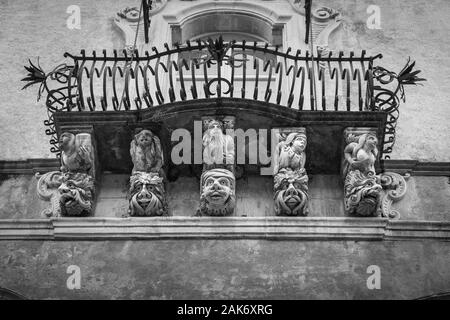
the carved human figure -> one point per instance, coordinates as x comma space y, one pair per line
291, 193
361, 187
76, 153
290, 152
70, 191
218, 148
147, 195
217, 193
146, 152
290, 178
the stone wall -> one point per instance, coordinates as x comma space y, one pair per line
414, 28
426, 199
207, 269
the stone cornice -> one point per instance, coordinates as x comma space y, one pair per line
29, 166
269, 228
413, 167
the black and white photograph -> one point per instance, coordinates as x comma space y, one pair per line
224, 155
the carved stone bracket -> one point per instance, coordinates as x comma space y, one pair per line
217, 183
70, 191
366, 193
290, 178
147, 192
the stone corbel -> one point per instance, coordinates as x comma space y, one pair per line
367, 194
217, 182
290, 177
147, 195
71, 191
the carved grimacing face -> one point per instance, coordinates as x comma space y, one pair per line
217, 190
144, 193
75, 197
290, 192
146, 196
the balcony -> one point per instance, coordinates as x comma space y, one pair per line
263, 86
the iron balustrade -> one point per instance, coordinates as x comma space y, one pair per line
214, 69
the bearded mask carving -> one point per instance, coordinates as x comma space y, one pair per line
217, 193
147, 196
291, 193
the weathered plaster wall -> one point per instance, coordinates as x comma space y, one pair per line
413, 28
225, 269
426, 199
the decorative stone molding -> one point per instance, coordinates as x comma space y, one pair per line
217, 183
324, 21
365, 193
181, 228
270, 20
70, 191
147, 192
290, 178
394, 189
127, 20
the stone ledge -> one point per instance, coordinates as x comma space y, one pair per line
275, 228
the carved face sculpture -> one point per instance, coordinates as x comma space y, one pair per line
291, 193
76, 194
362, 194
299, 143
371, 141
217, 197
66, 141
147, 195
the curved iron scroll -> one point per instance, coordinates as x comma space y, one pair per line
209, 69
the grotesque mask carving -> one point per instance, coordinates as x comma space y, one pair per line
290, 178
76, 194
291, 193
147, 196
71, 190
361, 187
146, 152
217, 193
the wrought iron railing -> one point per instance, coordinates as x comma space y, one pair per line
214, 69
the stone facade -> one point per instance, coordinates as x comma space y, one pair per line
145, 228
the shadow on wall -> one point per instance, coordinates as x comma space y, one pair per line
6, 294
438, 296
